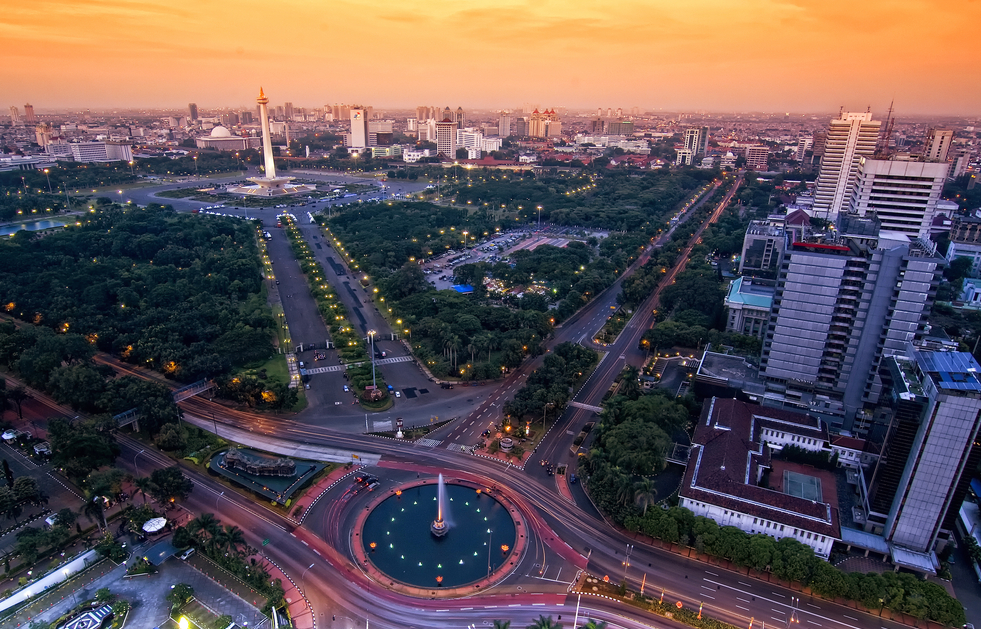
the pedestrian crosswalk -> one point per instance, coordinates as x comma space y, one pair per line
462, 447
381, 361
428, 443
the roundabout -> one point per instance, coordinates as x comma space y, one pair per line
407, 541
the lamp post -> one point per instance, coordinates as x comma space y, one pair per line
490, 537
74, 600
217, 499
195, 165
131, 171
371, 335
539, 218
302, 582
626, 560
46, 171
545, 412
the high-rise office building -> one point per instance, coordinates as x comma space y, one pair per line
29, 114
930, 449
620, 127
937, 144
246, 117
229, 119
521, 127
460, 118
446, 138
14, 115
903, 194
544, 124
101, 152
192, 109
448, 114
962, 161
288, 111
839, 307
359, 128
696, 140
757, 157
504, 124
850, 137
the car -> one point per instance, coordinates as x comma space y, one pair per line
398, 394
346, 389
187, 553
307, 387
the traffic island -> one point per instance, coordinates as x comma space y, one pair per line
442, 571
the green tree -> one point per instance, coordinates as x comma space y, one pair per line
179, 595
65, 517
644, 494
18, 395
104, 595
170, 484
94, 510
26, 489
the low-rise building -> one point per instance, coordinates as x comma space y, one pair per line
732, 478
748, 307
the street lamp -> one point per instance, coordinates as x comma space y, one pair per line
302, 582
131, 171
195, 165
46, 171
371, 335
539, 218
544, 412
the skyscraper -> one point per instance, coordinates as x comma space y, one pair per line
460, 118
850, 137
696, 140
903, 194
544, 124
446, 138
931, 449
839, 307
937, 144
14, 115
288, 111
448, 114
246, 117
359, 128
29, 114
192, 109
504, 124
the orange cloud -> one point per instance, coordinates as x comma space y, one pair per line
774, 55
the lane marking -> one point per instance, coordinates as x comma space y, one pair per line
741, 607
711, 573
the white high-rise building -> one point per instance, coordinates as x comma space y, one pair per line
696, 140
937, 144
101, 152
851, 136
469, 139
446, 138
902, 194
359, 128
14, 115
504, 124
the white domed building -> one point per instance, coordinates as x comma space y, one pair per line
221, 139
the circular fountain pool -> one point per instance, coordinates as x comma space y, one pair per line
480, 537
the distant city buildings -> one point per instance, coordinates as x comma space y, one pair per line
14, 115
192, 109
937, 144
544, 124
850, 137
359, 128
29, 117
757, 157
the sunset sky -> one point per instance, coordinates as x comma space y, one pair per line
712, 55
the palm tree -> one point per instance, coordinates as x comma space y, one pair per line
594, 624
206, 528
624, 487
502, 624
232, 537
94, 511
644, 494
143, 484
629, 386
545, 623
473, 350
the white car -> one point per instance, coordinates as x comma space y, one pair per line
398, 394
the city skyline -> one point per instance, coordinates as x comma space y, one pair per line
756, 55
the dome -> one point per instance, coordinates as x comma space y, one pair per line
220, 132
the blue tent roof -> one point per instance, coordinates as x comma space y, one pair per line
463, 289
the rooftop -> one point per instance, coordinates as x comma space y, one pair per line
742, 290
950, 370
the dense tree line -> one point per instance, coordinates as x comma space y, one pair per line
172, 292
549, 388
790, 560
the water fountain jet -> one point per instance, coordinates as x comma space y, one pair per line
439, 527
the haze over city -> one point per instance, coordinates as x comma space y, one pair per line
753, 55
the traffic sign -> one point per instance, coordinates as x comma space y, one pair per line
265, 542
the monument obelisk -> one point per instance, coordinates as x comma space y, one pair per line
269, 185
267, 153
